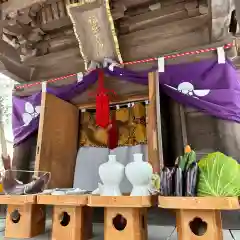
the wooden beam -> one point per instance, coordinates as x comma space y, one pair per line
183, 126
153, 18
56, 64
153, 134
160, 46
119, 100
162, 32
135, 3
17, 69
56, 24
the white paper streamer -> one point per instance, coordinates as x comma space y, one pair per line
44, 87
79, 77
111, 67
161, 64
221, 55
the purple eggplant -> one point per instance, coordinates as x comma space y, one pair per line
178, 182
166, 182
178, 178
191, 180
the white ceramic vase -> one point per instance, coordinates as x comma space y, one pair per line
111, 174
139, 174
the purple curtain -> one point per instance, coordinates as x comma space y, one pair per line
211, 87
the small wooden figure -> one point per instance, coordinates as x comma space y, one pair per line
25, 219
199, 217
72, 219
125, 217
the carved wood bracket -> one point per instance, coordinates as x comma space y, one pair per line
14, 6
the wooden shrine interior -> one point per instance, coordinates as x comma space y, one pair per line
38, 43
59, 128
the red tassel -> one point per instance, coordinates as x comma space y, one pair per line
113, 134
102, 110
102, 104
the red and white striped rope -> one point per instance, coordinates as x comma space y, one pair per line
171, 56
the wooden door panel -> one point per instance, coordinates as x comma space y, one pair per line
57, 140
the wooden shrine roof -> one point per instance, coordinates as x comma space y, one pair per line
41, 43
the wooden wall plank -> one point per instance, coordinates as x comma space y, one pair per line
172, 29
154, 137
57, 140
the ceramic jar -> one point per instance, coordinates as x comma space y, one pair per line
139, 174
111, 174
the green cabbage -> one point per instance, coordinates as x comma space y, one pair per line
219, 175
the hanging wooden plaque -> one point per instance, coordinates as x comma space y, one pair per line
94, 30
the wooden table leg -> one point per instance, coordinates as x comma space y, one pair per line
25, 221
199, 224
125, 223
72, 223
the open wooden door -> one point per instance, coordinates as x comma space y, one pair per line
57, 140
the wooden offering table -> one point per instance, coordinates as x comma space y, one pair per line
199, 217
125, 217
72, 218
25, 219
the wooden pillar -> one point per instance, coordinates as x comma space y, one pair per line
154, 135
183, 126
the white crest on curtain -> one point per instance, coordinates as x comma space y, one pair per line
188, 89
30, 113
